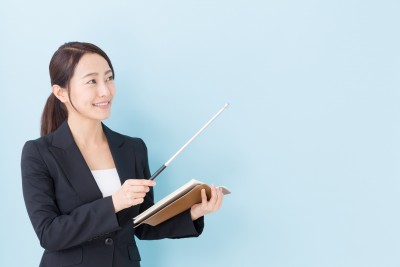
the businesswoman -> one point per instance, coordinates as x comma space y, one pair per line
82, 182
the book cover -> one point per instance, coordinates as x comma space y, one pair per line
178, 201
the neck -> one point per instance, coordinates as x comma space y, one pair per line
86, 132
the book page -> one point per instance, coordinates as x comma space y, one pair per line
167, 200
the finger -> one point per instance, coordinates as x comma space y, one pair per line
137, 201
140, 182
220, 199
132, 190
203, 199
214, 196
137, 195
138, 189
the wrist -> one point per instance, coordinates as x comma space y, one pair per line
195, 214
116, 207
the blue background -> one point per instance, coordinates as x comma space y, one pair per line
309, 148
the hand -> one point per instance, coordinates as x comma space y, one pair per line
206, 207
131, 193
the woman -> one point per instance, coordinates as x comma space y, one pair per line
82, 182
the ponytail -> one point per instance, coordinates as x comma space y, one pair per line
54, 114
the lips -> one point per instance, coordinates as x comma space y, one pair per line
101, 104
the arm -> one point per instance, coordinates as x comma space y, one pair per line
55, 230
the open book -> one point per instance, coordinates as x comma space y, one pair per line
178, 201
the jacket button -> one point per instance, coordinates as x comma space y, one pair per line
108, 241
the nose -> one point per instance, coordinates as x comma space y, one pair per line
103, 90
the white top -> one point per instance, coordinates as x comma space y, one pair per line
107, 180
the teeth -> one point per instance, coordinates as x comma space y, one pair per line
101, 104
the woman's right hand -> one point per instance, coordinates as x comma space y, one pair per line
131, 193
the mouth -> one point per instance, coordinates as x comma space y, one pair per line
102, 104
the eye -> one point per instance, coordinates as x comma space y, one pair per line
111, 78
91, 81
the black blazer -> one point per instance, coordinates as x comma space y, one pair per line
74, 223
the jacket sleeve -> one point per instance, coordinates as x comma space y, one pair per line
55, 230
180, 226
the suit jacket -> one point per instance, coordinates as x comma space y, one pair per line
74, 223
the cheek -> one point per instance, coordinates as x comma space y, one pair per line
112, 90
82, 97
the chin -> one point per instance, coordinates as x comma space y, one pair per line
104, 117
100, 117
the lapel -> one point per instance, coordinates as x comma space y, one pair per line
71, 161
123, 155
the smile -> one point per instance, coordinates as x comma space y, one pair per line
101, 104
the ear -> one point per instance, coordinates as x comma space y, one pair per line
60, 93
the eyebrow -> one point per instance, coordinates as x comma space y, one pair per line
96, 74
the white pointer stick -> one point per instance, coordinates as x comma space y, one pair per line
188, 143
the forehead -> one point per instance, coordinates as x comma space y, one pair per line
91, 63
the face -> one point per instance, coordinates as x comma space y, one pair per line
91, 89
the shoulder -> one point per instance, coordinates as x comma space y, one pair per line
61, 137
38, 144
34, 154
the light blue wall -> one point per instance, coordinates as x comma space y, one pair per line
310, 147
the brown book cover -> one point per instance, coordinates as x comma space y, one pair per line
178, 201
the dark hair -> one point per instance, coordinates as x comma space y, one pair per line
62, 67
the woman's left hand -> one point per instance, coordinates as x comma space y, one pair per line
206, 207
